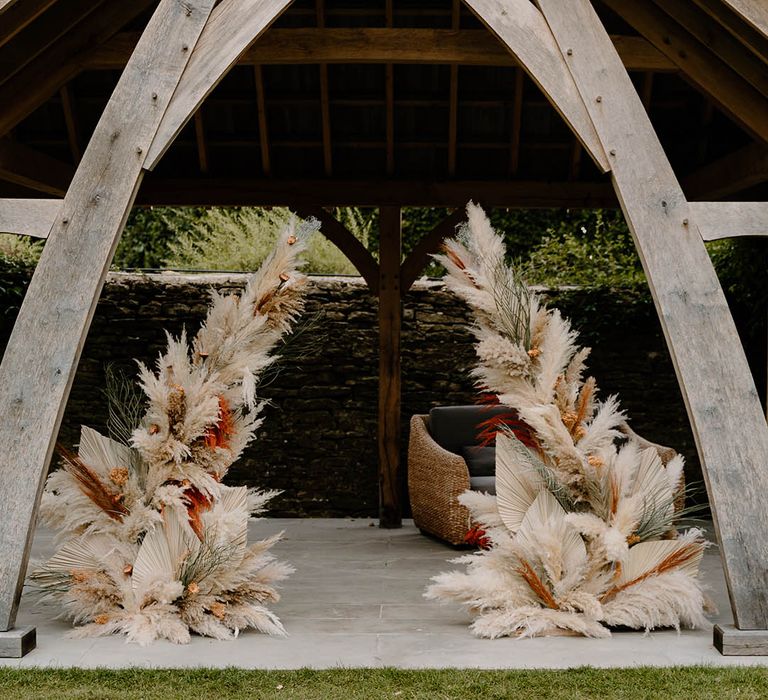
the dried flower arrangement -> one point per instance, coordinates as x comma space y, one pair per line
153, 544
581, 535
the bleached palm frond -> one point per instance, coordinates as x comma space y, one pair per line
162, 554
517, 481
102, 453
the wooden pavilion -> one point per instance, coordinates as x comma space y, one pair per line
659, 106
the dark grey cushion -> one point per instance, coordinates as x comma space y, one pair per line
483, 483
480, 460
454, 427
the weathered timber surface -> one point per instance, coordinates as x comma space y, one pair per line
521, 28
28, 217
42, 354
729, 640
730, 219
234, 25
720, 394
318, 442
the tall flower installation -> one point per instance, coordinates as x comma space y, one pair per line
152, 543
581, 535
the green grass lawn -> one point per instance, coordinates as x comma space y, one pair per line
350, 684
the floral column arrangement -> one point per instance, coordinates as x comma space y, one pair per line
152, 543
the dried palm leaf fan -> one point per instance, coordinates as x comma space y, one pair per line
153, 544
581, 535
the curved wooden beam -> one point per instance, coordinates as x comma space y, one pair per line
418, 258
233, 27
717, 385
42, 354
345, 241
520, 27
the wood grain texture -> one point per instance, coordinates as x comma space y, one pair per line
380, 45
345, 241
720, 396
28, 217
390, 324
233, 27
520, 26
744, 103
62, 295
261, 111
730, 219
37, 171
730, 174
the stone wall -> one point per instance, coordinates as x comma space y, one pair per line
318, 442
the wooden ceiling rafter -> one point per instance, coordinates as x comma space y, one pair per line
318, 192
45, 75
389, 96
261, 115
700, 66
729, 175
28, 45
280, 46
754, 13
36, 171
710, 34
517, 122
453, 98
735, 25
70, 120
200, 142
325, 109
17, 16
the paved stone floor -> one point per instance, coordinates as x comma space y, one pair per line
356, 601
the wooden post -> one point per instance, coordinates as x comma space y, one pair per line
42, 354
720, 395
390, 319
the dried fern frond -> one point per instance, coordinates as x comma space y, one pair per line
110, 502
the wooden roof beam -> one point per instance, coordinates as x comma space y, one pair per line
29, 168
453, 96
729, 175
733, 23
17, 16
746, 105
63, 60
325, 109
361, 192
381, 45
389, 98
753, 12
261, 111
710, 33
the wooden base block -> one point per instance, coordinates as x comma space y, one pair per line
17, 642
729, 640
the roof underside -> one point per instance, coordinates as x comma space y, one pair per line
313, 111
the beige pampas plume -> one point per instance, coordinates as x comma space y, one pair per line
582, 529
154, 545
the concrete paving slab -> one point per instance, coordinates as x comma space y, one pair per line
356, 600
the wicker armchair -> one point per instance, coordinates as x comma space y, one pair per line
437, 477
